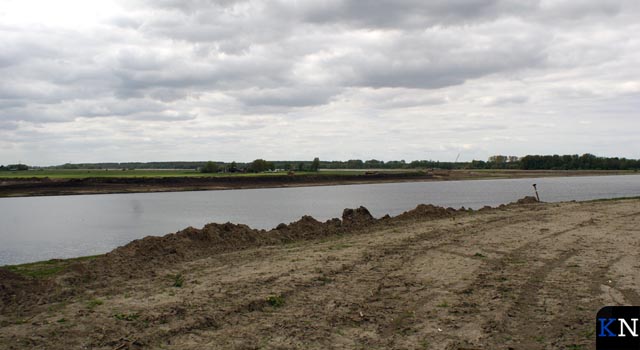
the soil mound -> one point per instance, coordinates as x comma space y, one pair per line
428, 211
357, 217
140, 255
527, 200
143, 256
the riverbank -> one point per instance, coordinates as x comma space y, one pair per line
522, 276
58, 186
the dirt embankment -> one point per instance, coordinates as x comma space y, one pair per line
143, 257
39, 186
521, 276
36, 186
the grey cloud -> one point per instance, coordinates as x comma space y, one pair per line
299, 96
34, 113
8, 125
115, 107
414, 64
507, 100
399, 102
576, 10
129, 109
126, 22
188, 71
17, 47
187, 6
412, 13
164, 116
273, 68
421, 14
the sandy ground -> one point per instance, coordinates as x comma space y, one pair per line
522, 277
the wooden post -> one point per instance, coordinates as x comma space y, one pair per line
536, 190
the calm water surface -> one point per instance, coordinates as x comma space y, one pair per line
39, 228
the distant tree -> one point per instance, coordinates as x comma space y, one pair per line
210, 167
233, 167
478, 164
260, 165
354, 164
498, 159
15, 167
300, 166
373, 163
315, 164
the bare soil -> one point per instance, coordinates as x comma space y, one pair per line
522, 276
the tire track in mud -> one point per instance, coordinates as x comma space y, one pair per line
492, 292
522, 318
393, 323
380, 261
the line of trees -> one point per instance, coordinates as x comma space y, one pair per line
530, 162
14, 167
574, 162
586, 161
257, 166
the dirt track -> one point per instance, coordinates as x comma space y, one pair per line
522, 277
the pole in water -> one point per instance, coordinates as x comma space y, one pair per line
536, 190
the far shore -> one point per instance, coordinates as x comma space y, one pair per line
92, 184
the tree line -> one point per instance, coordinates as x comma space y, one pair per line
586, 161
259, 165
14, 167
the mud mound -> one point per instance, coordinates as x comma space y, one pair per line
355, 217
139, 256
527, 200
143, 256
305, 228
428, 211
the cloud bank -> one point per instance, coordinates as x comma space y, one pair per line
238, 80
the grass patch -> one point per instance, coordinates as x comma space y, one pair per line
48, 268
443, 304
479, 255
589, 334
275, 300
612, 199
93, 303
79, 174
340, 246
177, 280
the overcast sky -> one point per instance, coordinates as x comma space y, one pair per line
152, 80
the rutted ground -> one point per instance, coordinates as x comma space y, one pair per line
522, 277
